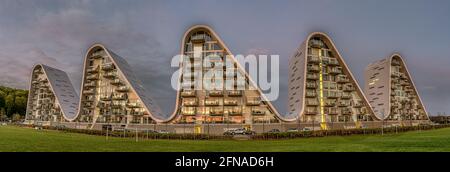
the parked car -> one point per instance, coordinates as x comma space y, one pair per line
163, 132
306, 129
274, 131
60, 127
292, 130
239, 131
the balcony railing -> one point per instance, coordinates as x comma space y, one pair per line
312, 76
90, 84
234, 93
346, 111
335, 70
312, 103
212, 102
107, 66
216, 111
253, 101
119, 96
343, 103
331, 111
89, 91
310, 93
234, 110
133, 104
92, 70
316, 43
110, 75
117, 82
230, 102
92, 77
329, 102
215, 93
311, 85
313, 68
98, 54
188, 111
122, 89
188, 93
346, 95
333, 62
348, 87
190, 102
311, 111
258, 111
342, 79
313, 59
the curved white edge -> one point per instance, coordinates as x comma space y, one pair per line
131, 80
51, 74
410, 80
339, 57
209, 29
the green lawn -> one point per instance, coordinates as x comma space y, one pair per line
26, 139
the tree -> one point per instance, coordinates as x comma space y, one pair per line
16, 117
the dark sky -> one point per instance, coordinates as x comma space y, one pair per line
148, 35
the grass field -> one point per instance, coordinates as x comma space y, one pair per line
29, 140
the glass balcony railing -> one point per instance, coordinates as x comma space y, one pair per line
311, 85
98, 54
117, 82
92, 70
313, 68
312, 76
331, 111
122, 89
233, 110
216, 111
253, 101
313, 59
342, 79
188, 111
310, 93
258, 111
311, 111
335, 70
315, 43
234, 93
230, 102
133, 104
212, 102
92, 77
190, 102
188, 93
215, 93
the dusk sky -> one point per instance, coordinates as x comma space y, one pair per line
148, 34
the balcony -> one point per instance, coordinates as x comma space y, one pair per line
348, 88
117, 82
92, 70
310, 93
333, 62
92, 77
234, 93
335, 70
116, 105
358, 104
133, 104
312, 76
188, 93
346, 95
88, 91
331, 94
105, 98
315, 43
311, 85
257, 111
253, 101
88, 104
38, 71
188, 111
346, 111
89, 99
122, 89
330, 111
216, 111
98, 54
200, 38
313, 102
330, 102
212, 102
395, 74
215, 93
342, 79
395, 63
311, 111
234, 110
190, 102
344, 103
119, 96
313, 59
110, 75
313, 68
230, 102
404, 83
107, 66
90, 84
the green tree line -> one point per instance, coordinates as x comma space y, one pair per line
13, 103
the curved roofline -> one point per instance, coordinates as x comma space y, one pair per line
328, 38
63, 110
396, 54
215, 35
99, 45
